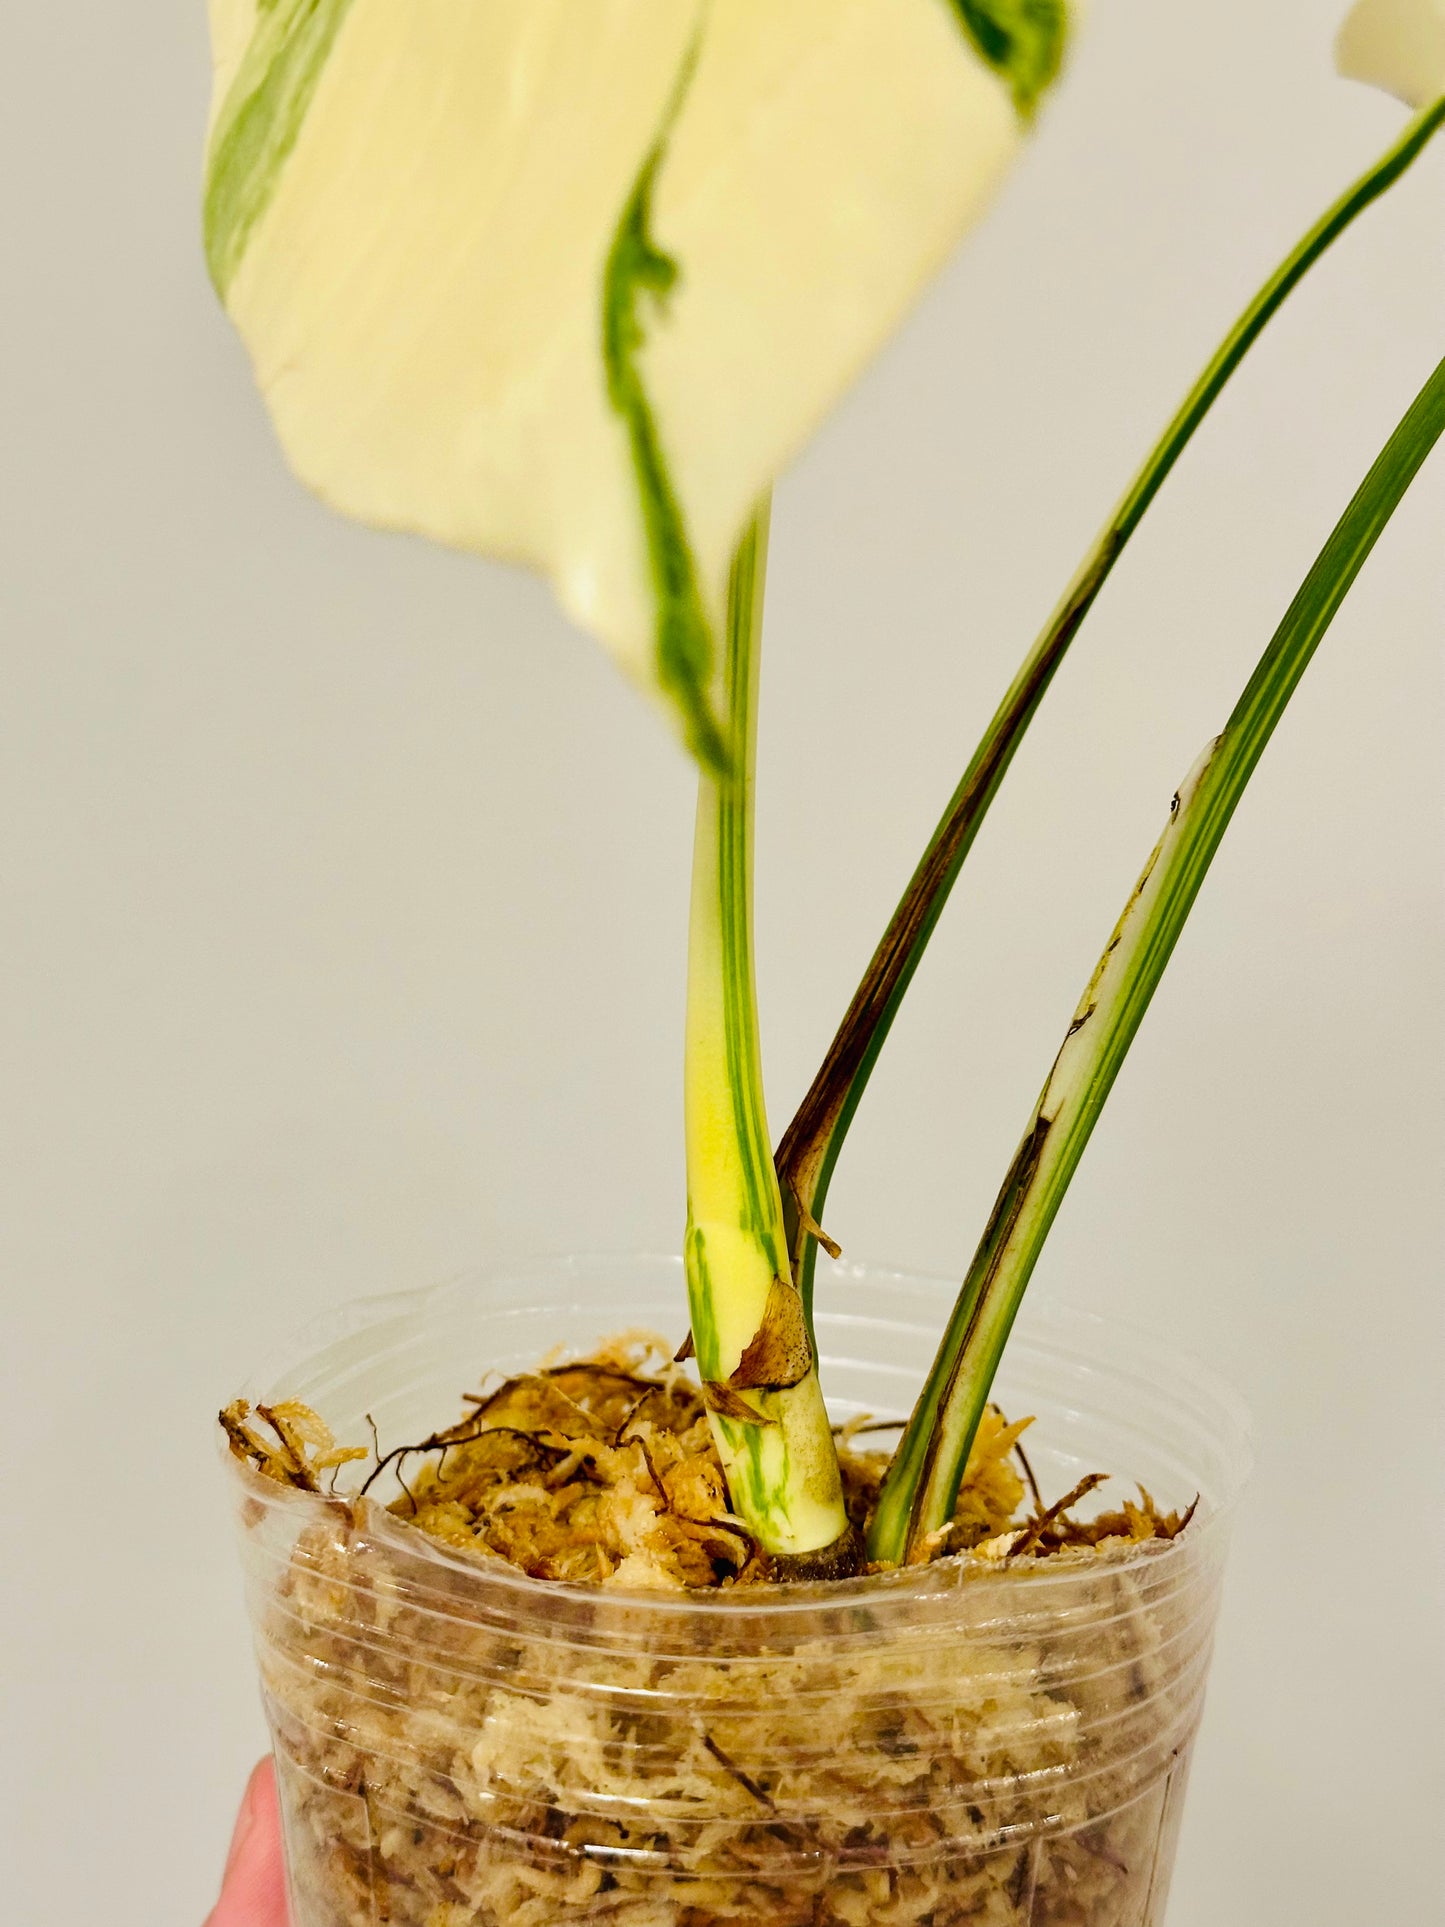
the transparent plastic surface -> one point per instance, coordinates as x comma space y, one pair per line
459, 1745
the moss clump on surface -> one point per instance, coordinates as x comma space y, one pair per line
603, 1469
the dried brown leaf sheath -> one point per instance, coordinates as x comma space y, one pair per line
780, 1353
722, 1399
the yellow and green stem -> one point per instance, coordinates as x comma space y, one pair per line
921, 1489
753, 1350
810, 1147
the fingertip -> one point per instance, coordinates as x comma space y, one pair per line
253, 1892
261, 1787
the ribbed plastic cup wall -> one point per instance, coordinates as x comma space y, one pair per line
460, 1745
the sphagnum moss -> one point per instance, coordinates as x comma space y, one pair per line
604, 1470
476, 1782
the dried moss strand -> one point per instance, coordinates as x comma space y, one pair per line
1036, 1527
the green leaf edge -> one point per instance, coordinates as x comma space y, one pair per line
1024, 41
260, 122
637, 270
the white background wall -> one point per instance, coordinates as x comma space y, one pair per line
344, 897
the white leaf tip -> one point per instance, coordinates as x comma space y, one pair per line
1398, 45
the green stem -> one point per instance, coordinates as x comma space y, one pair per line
748, 1328
809, 1150
922, 1484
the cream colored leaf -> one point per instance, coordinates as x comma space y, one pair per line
1398, 45
569, 281
233, 22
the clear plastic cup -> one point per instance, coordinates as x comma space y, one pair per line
459, 1745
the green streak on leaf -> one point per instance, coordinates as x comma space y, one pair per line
638, 270
260, 121
763, 1502
702, 1300
922, 1484
1022, 40
762, 1203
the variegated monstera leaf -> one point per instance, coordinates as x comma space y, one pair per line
1398, 45
569, 281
